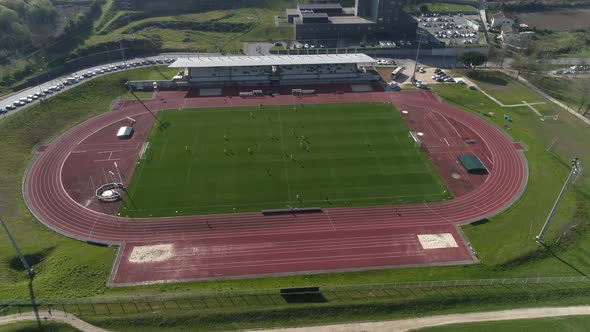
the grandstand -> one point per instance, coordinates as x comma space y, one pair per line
276, 70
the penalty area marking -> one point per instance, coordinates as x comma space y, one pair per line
151, 254
437, 241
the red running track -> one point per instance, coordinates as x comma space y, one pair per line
250, 244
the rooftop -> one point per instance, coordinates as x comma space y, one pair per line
312, 6
349, 20
310, 15
271, 60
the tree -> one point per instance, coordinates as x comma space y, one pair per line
471, 60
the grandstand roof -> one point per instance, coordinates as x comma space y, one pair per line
270, 60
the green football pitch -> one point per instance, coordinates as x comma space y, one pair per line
250, 159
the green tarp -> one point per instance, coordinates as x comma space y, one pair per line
472, 164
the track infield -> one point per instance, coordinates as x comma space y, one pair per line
254, 158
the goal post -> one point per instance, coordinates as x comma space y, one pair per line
415, 138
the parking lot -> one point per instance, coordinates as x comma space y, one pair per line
451, 29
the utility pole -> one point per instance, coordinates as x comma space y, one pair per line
416, 62
30, 272
573, 173
120, 40
108, 53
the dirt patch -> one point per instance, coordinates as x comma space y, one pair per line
557, 20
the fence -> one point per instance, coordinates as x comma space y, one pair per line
271, 298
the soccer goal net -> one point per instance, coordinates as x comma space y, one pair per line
415, 138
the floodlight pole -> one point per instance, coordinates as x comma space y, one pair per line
416, 62
145, 106
573, 173
30, 272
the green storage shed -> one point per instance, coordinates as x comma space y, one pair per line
472, 164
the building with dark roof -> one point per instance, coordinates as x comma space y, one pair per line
369, 19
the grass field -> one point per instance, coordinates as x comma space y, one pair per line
562, 324
248, 159
510, 92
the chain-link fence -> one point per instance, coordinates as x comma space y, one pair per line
271, 298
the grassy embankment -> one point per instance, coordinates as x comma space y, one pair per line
573, 91
564, 324
34, 327
505, 243
208, 31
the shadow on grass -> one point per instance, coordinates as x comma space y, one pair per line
491, 78
164, 125
33, 259
304, 298
564, 261
480, 222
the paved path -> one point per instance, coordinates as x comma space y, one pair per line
418, 323
56, 316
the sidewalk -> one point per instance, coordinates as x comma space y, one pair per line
55, 316
418, 323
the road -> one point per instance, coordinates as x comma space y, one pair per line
423, 322
10, 99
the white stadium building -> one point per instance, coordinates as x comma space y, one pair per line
222, 71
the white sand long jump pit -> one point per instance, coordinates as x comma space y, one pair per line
437, 241
151, 254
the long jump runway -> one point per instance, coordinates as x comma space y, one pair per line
59, 186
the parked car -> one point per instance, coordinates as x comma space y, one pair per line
10, 107
460, 81
20, 103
